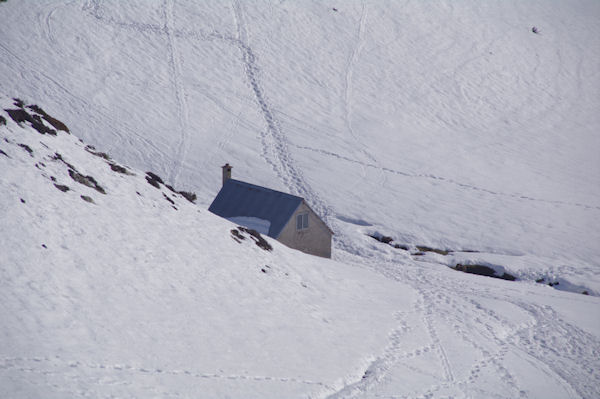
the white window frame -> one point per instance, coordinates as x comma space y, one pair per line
302, 221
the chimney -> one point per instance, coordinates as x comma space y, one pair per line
226, 172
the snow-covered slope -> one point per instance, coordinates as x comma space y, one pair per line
449, 125
137, 287
441, 124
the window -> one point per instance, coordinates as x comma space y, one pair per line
302, 221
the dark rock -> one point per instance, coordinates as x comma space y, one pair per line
58, 157
3, 153
119, 169
428, 249
403, 247
20, 116
482, 270
540, 280
383, 239
58, 125
92, 150
18, 102
88, 181
237, 236
509, 277
585, 293
2, 120
44, 246
22, 201
62, 187
263, 270
189, 196
258, 239
168, 199
87, 199
154, 180
26, 148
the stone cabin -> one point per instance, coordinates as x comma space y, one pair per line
282, 216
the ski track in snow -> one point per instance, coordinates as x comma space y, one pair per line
446, 180
57, 365
182, 107
347, 100
347, 96
275, 145
45, 21
546, 340
551, 339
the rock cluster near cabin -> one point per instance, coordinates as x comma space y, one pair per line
238, 235
420, 250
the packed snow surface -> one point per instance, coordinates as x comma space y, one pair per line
449, 128
258, 224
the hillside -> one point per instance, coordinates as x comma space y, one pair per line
120, 280
449, 128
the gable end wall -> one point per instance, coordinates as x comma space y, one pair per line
316, 240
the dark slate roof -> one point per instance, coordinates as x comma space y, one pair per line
238, 198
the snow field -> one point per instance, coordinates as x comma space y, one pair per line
125, 290
448, 125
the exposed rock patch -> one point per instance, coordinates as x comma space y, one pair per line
154, 179
423, 248
62, 187
189, 196
388, 240
482, 270
119, 169
58, 125
26, 148
115, 167
87, 199
237, 235
86, 180
168, 199
92, 150
21, 116
258, 239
